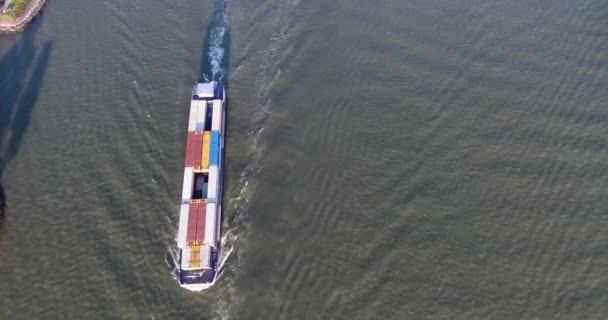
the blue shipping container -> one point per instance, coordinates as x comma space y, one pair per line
214, 150
214, 156
215, 138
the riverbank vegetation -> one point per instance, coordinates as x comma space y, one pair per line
18, 14
16, 8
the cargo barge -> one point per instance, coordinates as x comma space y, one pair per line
198, 237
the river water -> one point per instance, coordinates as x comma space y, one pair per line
433, 159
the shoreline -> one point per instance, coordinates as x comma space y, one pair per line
20, 23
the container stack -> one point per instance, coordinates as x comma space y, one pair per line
199, 213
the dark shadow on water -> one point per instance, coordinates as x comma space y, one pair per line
22, 70
219, 9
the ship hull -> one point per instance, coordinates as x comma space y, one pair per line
199, 230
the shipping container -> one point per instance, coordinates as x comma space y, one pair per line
218, 225
212, 188
192, 222
216, 122
188, 185
183, 225
198, 150
215, 138
193, 115
190, 149
214, 156
200, 224
205, 152
195, 257
210, 224
186, 257
214, 150
205, 257
201, 115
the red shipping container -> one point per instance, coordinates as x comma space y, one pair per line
198, 151
190, 146
192, 221
200, 225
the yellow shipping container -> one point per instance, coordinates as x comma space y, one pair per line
206, 147
195, 257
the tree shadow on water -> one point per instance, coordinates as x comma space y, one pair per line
22, 70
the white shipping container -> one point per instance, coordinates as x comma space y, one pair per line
192, 118
210, 224
218, 232
183, 225
186, 254
201, 115
205, 257
188, 182
212, 188
216, 118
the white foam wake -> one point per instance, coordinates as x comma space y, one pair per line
216, 42
224, 258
